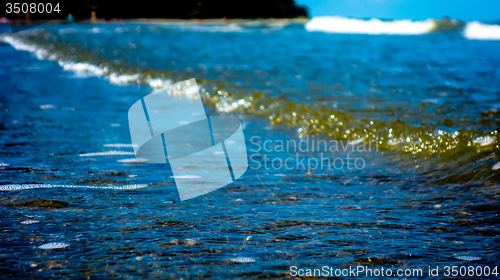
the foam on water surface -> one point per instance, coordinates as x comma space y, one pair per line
242, 259
17, 187
30, 222
133, 160
375, 26
120, 145
467, 258
108, 153
53, 245
480, 31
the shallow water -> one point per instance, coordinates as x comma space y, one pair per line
424, 107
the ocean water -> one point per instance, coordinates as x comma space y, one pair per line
419, 111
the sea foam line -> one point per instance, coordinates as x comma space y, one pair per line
108, 153
243, 260
133, 160
83, 67
53, 245
30, 222
119, 145
18, 187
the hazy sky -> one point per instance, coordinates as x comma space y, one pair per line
482, 10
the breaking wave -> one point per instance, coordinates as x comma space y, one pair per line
309, 120
480, 31
375, 26
465, 142
88, 68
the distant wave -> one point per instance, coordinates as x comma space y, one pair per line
480, 31
375, 26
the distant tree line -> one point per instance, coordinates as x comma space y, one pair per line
176, 9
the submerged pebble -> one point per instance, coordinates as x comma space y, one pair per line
467, 258
53, 245
191, 242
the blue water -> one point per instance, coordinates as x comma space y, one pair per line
404, 209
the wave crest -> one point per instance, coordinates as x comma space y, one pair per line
375, 26
480, 31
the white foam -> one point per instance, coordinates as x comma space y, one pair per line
29, 222
356, 142
76, 67
18, 44
133, 160
496, 166
47, 106
18, 187
338, 24
480, 31
4, 164
120, 145
82, 67
185, 177
97, 30
484, 140
158, 83
123, 79
243, 260
108, 153
224, 107
467, 258
40, 53
53, 245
